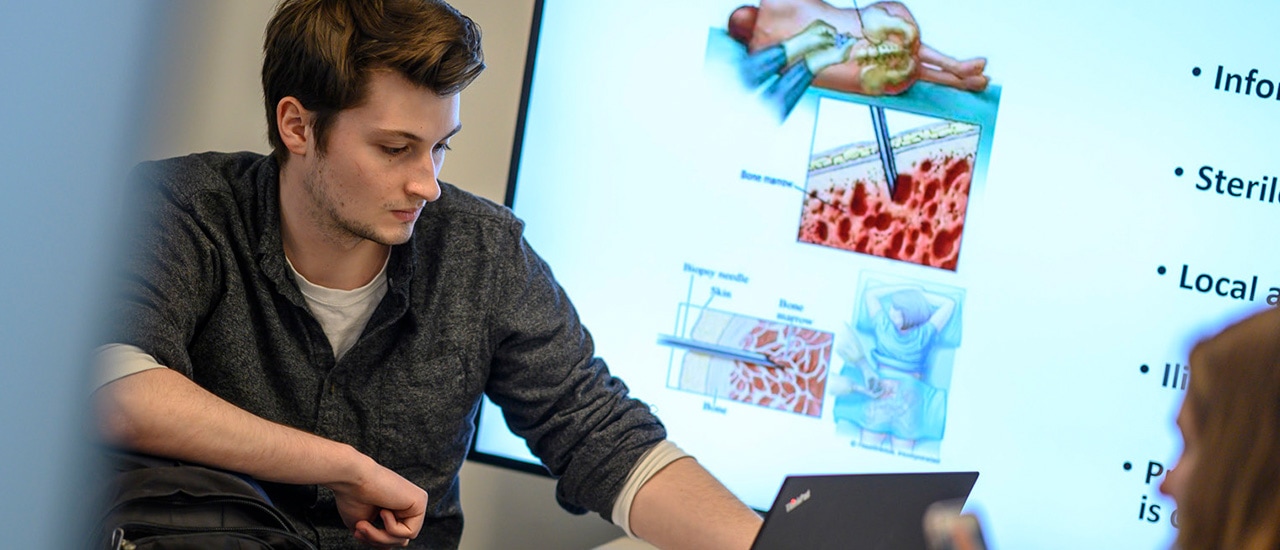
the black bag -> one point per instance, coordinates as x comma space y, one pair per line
154, 504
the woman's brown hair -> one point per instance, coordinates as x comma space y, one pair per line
1232, 497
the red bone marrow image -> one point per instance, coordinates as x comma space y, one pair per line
848, 204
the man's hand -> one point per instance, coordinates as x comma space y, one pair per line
819, 35
836, 54
379, 495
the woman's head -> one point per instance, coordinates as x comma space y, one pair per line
1227, 483
909, 308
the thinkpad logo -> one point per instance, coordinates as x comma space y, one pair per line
797, 501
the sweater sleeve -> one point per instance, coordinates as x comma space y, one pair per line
167, 277
575, 416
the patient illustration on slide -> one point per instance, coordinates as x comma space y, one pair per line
889, 394
875, 50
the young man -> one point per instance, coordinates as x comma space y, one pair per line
330, 315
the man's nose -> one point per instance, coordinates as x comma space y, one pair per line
423, 183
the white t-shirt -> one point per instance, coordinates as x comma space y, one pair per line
342, 314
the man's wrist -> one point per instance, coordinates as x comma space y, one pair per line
348, 468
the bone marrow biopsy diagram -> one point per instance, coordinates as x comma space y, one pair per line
898, 138
762, 362
901, 133
895, 349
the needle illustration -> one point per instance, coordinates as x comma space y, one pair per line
717, 350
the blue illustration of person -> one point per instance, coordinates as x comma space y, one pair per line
906, 326
888, 392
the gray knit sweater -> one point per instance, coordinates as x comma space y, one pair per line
470, 310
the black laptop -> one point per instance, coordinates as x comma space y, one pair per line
864, 511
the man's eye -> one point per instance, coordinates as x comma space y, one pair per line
394, 151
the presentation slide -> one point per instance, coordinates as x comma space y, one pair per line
819, 237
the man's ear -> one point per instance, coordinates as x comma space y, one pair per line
293, 121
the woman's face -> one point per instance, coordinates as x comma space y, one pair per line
896, 317
1175, 482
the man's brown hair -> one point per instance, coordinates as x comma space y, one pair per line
323, 51
1232, 495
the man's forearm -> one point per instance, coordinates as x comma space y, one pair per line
161, 412
683, 506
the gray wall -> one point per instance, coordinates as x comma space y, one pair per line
212, 100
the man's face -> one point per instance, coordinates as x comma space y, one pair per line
381, 161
